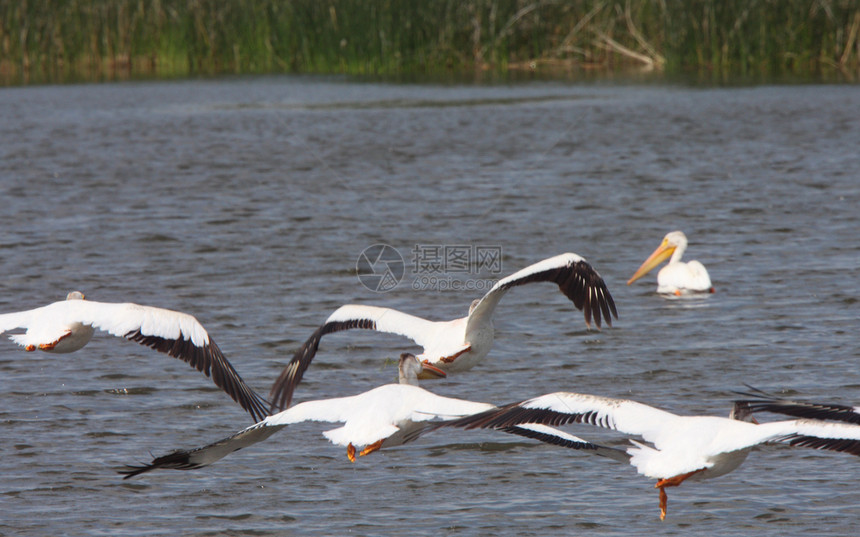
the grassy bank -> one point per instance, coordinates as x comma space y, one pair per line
56, 40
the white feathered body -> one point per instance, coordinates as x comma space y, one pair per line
683, 278
386, 412
78, 319
685, 444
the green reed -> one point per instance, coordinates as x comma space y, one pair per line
52, 40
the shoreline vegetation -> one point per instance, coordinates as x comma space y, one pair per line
55, 41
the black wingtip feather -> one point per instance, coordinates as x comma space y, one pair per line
178, 460
583, 285
761, 401
210, 361
842, 445
281, 394
549, 438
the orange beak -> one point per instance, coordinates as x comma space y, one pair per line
662, 253
430, 372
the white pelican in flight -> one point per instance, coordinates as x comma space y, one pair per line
459, 344
68, 325
677, 277
381, 417
684, 447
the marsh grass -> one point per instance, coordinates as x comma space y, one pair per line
49, 41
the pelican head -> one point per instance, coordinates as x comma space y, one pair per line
741, 411
412, 369
674, 241
75, 295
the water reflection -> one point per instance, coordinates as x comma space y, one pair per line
246, 203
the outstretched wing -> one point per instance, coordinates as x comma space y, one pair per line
367, 417
198, 458
815, 434
348, 317
575, 278
332, 410
760, 401
174, 333
535, 431
551, 435
634, 418
562, 408
18, 319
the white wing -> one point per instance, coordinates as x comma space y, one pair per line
383, 320
206, 455
19, 319
179, 335
123, 319
551, 435
700, 279
562, 408
575, 278
652, 424
656, 425
43, 325
377, 414
349, 317
690, 276
368, 417
826, 435
709, 435
117, 319
174, 333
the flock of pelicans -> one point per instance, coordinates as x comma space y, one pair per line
672, 449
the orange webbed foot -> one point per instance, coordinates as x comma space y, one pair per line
50, 346
350, 452
673, 481
449, 359
371, 448
676, 480
664, 502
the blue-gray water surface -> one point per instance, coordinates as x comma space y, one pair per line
247, 203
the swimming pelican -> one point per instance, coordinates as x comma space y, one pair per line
459, 344
677, 277
381, 417
68, 325
684, 447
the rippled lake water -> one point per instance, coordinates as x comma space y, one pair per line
247, 203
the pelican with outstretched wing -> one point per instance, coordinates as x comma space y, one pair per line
68, 325
382, 417
459, 344
676, 448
